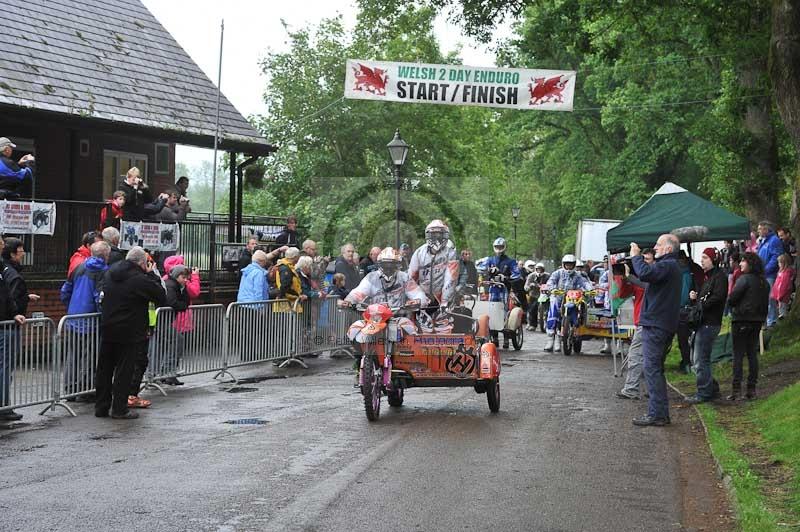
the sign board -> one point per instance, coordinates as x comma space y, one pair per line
27, 217
590, 243
153, 236
264, 233
507, 88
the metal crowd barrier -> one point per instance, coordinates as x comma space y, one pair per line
186, 343
29, 367
77, 345
44, 364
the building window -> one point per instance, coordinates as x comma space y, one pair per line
162, 159
116, 165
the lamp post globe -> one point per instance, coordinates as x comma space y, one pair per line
515, 215
398, 151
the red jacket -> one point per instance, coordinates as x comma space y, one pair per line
78, 258
628, 289
116, 215
782, 289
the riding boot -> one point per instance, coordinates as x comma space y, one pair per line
551, 341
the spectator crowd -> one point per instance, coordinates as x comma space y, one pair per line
752, 281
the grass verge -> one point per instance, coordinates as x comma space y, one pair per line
757, 443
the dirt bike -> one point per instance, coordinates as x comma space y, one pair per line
573, 314
543, 301
393, 361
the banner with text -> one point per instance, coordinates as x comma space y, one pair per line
153, 236
508, 88
27, 217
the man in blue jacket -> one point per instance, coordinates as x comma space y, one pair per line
13, 173
769, 250
81, 294
659, 321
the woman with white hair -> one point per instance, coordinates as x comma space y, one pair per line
287, 281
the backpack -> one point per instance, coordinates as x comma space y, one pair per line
272, 273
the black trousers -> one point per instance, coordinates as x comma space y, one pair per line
745, 343
114, 372
683, 334
140, 363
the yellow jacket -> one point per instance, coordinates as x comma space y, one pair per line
284, 306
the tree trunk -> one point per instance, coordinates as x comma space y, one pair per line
784, 70
761, 193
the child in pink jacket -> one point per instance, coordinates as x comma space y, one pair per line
182, 323
782, 289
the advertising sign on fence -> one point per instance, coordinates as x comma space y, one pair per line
508, 88
27, 217
264, 233
153, 236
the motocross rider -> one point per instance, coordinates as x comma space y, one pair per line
390, 285
435, 267
565, 278
536, 278
509, 274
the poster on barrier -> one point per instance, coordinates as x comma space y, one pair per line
264, 233
27, 217
153, 236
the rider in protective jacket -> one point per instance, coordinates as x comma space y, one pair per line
509, 271
390, 285
435, 267
565, 278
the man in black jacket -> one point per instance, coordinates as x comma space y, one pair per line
129, 287
15, 308
111, 237
711, 298
288, 237
139, 203
659, 321
345, 266
8, 343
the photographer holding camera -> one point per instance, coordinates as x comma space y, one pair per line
13, 173
139, 204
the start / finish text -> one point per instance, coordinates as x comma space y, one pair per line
446, 92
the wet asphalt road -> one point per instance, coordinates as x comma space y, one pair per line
561, 455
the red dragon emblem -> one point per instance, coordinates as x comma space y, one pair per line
544, 90
370, 80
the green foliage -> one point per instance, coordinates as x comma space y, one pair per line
754, 516
674, 92
332, 167
778, 418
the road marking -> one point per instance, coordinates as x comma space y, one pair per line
308, 505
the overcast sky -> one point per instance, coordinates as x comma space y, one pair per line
253, 28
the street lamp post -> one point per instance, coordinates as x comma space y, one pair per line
398, 150
515, 214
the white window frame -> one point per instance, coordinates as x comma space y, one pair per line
127, 155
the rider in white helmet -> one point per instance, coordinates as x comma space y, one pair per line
388, 284
565, 278
509, 271
435, 265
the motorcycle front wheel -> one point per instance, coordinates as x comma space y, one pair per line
566, 336
373, 381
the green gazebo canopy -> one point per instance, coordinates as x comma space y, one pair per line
675, 209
